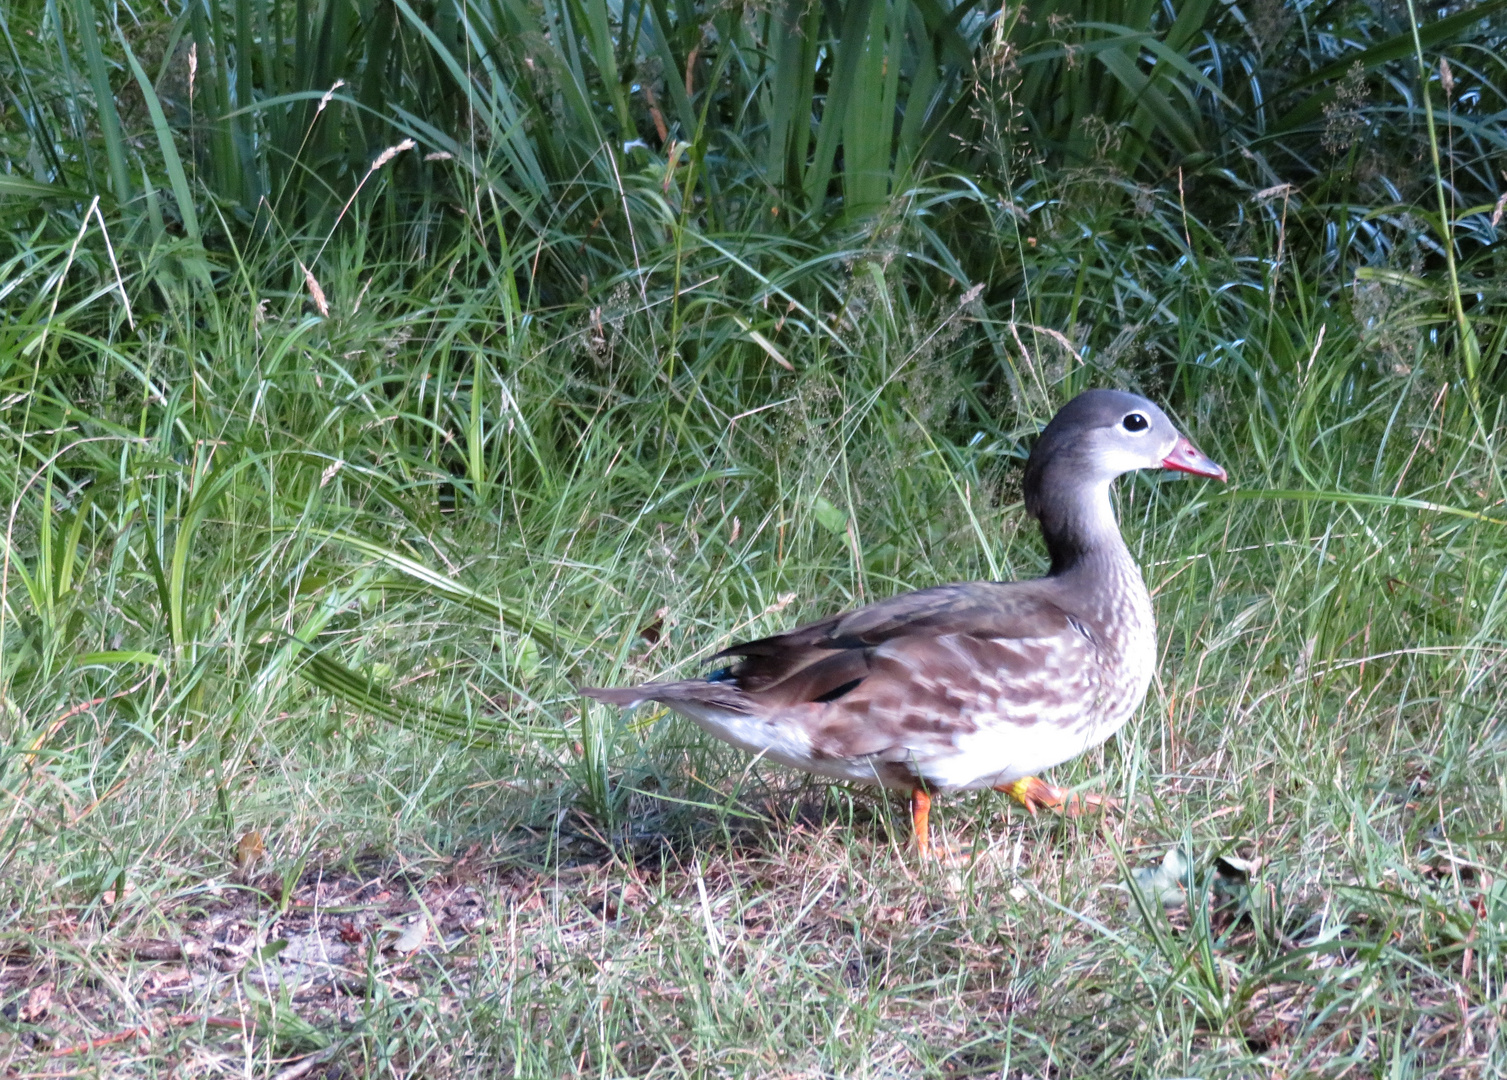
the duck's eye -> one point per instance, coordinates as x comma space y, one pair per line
1136, 422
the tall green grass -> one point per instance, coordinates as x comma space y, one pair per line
331, 578
592, 132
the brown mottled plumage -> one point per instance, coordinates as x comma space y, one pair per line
973, 685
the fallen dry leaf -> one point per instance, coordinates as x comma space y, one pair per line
248, 849
38, 1002
413, 938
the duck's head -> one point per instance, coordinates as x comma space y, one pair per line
1102, 434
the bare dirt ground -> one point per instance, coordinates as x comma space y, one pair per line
281, 975
320, 950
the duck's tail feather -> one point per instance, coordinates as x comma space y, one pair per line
719, 694
625, 696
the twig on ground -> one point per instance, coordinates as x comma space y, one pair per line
147, 1030
306, 1066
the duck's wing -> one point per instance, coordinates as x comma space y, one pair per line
923, 693
1012, 609
943, 640
919, 662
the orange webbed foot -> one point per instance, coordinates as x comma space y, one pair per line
1034, 793
920, 820
944, 855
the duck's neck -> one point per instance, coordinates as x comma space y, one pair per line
1081, 533
1095, 577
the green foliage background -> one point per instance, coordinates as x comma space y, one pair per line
372, 371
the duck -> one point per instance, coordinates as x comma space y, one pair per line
982, 684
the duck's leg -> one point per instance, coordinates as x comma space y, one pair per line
1033, 792
920, 819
